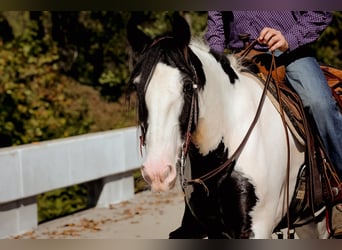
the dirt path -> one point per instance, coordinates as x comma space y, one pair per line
147, 216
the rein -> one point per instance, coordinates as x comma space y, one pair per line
230, 162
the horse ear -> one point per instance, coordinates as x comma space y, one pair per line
181, 30
137, 39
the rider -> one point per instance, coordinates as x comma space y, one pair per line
289, 34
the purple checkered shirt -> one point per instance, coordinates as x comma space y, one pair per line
298, 27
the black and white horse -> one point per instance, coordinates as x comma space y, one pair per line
198, 105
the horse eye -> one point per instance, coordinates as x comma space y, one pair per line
132, 86
188, 87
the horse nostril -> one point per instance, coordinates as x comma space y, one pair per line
165, 174
145, 175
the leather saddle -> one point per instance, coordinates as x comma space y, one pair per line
318, 185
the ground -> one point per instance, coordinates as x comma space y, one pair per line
147, 216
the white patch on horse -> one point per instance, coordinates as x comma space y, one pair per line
164, 102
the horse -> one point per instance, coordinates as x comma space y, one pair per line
205, 121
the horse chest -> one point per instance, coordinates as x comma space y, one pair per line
222, 203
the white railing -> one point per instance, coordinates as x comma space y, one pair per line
104, 161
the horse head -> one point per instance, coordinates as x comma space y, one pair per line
165, 78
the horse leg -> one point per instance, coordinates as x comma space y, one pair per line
263, 219
225, 213
237, 199
262, 231
313, 230
190, 228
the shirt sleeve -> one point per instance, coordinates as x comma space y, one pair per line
310, 25
215, 31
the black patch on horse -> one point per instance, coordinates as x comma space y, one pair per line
214, 214
225, 64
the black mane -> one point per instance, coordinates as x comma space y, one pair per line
225, 64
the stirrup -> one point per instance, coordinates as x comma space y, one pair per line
335, 222
337, 232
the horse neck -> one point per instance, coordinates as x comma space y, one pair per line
224, 108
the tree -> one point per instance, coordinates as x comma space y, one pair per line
329, 46
35, 102
45, 56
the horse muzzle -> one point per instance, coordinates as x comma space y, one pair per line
160, 179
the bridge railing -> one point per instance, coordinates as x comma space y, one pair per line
104, 161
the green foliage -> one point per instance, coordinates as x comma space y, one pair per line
159, 22
329, 46
94, 49
61, 202
156, 23
35, 100
198, 22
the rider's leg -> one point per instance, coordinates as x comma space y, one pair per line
308, 80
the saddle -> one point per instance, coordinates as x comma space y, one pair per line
318, 184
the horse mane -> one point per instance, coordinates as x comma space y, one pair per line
230, 63
163, 49
166, 49
237, 63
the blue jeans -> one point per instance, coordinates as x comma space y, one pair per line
308, 80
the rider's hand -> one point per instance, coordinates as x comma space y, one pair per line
274, 39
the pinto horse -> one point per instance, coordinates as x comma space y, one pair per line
204, 119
